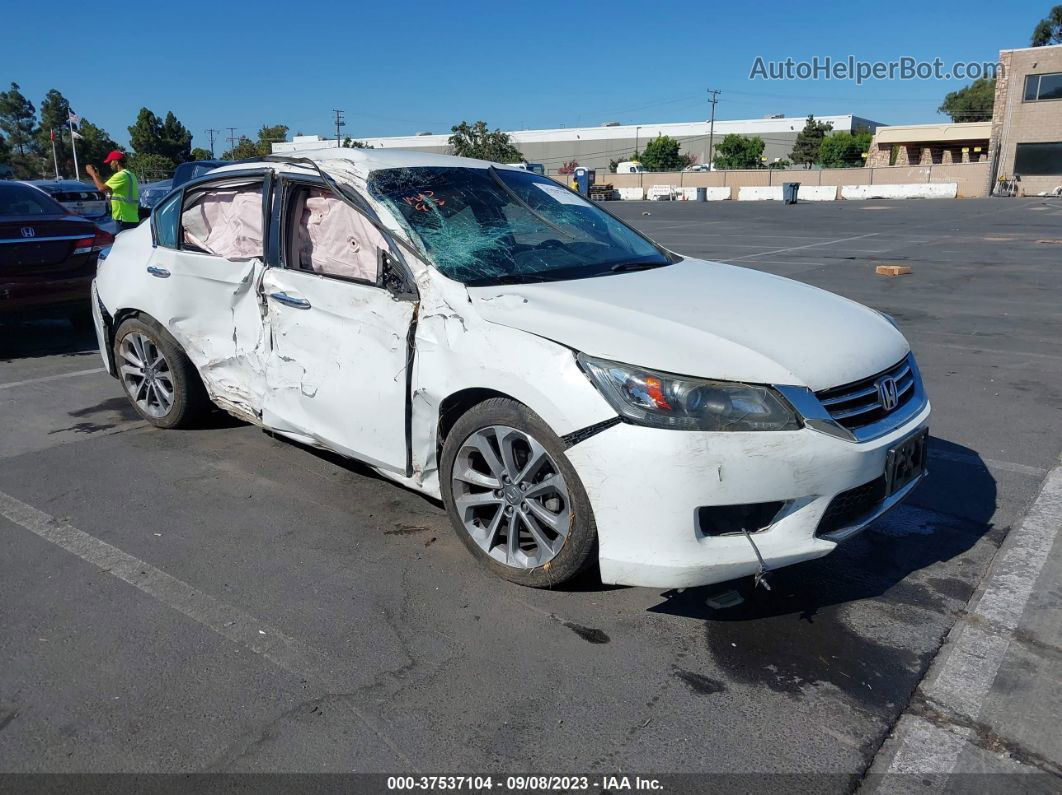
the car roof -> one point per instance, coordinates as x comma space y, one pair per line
374, 159
60, 184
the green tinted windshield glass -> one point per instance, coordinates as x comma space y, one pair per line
483, 226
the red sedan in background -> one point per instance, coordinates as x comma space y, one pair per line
47, 256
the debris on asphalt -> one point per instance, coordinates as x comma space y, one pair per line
892, 270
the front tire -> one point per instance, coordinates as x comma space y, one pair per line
159, 380
513, 497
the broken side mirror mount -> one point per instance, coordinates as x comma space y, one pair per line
393, 278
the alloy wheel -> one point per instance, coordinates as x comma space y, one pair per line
146, 374
511, 497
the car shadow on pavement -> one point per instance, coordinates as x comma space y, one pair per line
25, 339
803, 630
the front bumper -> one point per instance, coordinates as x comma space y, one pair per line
646, 485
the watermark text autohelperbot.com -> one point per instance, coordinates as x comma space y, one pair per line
851, 68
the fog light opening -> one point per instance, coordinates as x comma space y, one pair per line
725, 520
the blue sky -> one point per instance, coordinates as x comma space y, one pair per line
401, 67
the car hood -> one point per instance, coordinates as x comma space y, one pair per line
705, 319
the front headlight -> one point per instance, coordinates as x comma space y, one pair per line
662, 400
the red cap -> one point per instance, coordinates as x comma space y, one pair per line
114, 155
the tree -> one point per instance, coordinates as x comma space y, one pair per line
17, 119
972, 103
5, 151
1049, 29
199, 153
244, 148
150, 167
268, 135
844, 149
614, 164
478, 141
568, 167
350, 143
94, 145
150, 135
175, 140
738, 151
689, 159
145, 134
809, 141
662, 154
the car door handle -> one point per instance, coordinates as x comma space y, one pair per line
162, 273
289, 300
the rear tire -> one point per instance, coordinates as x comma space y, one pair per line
159, 380
514, 498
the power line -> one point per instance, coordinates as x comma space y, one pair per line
211, 131
711, 128
339, 122
232, 138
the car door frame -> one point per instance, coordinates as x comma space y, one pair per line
393, 275
266, 176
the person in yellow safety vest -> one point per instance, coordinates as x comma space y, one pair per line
122, 187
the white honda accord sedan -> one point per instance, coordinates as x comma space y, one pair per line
572, 391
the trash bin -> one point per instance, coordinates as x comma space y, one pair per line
789, 192
702, 194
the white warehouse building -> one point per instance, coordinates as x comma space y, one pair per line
594, 147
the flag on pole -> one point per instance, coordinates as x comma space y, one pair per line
52, 131
75, 120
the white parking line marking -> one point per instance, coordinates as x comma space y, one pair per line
809, 245
974, 652
230, 622
46, 378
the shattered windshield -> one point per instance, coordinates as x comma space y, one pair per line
488, 226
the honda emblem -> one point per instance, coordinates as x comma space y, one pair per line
29, 231
887, 392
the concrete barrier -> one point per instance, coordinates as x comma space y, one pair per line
718, 194
661, 192
755, 193
930, 190
807, 193
817, 193
632, 194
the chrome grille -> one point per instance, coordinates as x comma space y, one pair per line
859, 404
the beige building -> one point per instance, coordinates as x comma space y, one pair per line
928, 144
1026, 137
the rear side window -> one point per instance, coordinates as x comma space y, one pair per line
24, 200
166, 216
224, 222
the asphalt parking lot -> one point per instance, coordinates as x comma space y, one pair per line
220, 600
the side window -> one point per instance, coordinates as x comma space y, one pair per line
327, 236
166, 216
224, 221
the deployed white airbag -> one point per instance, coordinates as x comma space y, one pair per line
333, 239
226, 223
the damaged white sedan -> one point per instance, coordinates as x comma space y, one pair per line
573, 392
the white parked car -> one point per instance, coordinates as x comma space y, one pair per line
573, 392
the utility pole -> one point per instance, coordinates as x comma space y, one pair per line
232, 138
339, 123
711, 125
211, 131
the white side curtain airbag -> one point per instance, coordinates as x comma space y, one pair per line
336, 240
226, 223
